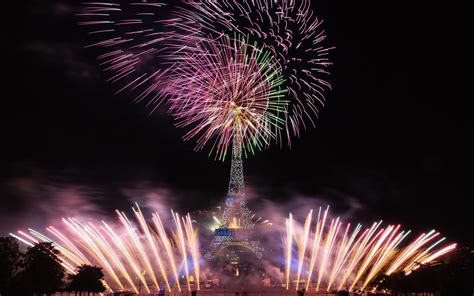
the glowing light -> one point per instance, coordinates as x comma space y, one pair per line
226, 91
290, 30
354, 259
302, 246
238, 94
131, 250
289, 239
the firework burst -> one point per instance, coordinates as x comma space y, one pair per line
137, 40
289, 29
227, 91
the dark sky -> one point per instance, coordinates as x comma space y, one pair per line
395, 135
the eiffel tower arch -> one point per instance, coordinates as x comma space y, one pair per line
236, 233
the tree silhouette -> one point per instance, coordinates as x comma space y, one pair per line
88, 279
42, 271
9, 257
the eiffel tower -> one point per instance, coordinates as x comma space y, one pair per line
236, 229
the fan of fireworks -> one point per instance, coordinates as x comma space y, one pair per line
337, 256
227, 91
134, 251
288, 28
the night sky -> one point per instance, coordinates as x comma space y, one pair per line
394, 138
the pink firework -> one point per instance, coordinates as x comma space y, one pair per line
226, 91
289, 29
136, 41
128, 40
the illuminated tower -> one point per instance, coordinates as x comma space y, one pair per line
236, 229
236, 213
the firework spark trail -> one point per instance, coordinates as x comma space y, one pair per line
62, 260
28, 237
139, 215
68, 243
167, 245
193, 242
351, 247
110, 252
93, 249
343, 246
289, 239
133, 234
100, 249
75, 253
402, 256
103, 246
333, 229
26, 242
437, 254
302, 246
385, 255
360, 250
369, 257
420, 257
67, 254
125, 252
182, 246
315, 248
356, 259
416, 259
411, 250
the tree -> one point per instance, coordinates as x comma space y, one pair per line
9, 257
88, 279
42, 271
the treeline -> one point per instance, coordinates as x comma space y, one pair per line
39, 271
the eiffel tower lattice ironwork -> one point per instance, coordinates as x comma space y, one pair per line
236, 204
236, 229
